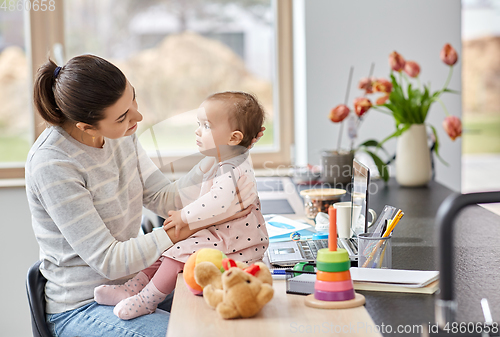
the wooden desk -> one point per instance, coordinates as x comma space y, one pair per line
284, 315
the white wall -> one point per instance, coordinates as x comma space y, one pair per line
338, 34
18, 251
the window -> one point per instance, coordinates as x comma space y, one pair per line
175, 53
144, 39
15, 121
480, 87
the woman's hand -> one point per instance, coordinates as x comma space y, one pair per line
256, 139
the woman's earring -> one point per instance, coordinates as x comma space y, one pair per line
93, 140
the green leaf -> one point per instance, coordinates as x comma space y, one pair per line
370, 142
399, 132
373, 143
382, 168
452, 91
436, 147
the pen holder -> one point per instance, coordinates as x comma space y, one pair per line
374, 252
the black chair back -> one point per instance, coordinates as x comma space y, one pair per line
35, 287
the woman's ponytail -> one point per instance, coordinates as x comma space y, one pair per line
80, 91
44, 98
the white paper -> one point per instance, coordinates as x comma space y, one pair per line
279, 225
397, 277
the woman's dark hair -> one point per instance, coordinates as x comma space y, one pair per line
79, 91
246, 113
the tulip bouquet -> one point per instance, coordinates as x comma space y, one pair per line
361, 107
408, 103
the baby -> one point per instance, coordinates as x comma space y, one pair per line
228, 122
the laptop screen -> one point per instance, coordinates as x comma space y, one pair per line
359, 191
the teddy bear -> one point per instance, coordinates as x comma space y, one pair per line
237, 292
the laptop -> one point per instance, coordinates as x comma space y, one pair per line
288, 253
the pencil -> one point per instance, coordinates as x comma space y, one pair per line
393, 224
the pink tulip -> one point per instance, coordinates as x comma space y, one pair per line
396, 61
453, 126
382, 85
382, 99
362, 105
366, 84
339, 113
449, 55
412, 68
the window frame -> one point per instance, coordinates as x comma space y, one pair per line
46, 29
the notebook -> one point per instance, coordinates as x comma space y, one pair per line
374, 279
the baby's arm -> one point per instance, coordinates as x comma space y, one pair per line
212, 206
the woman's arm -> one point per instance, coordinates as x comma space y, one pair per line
185, 232
63, 210
160, 194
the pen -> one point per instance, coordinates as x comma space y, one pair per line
278, 274
385, 226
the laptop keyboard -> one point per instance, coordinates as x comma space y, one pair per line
309, 248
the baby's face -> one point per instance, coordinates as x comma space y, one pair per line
213, 127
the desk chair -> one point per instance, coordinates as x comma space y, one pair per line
35, 287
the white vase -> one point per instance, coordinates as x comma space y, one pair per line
413, 157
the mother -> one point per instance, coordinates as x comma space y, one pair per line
87, 179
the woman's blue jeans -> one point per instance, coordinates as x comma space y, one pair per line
98, 320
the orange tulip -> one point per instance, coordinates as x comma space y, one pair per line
339, 113
449, 55
382, 99
382, 85
366, 84
362, 105
412, 68
396, 61
453, 126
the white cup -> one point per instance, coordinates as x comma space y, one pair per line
344, 225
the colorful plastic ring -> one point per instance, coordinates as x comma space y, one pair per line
333, 266
326, 255
333, 286
334, 296
333, 277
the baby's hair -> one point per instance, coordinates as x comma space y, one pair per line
246, 113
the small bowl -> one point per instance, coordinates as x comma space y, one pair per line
319, 199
